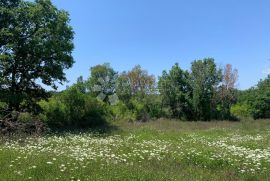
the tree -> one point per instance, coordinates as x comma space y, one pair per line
135, 88
102, 82
227, 94
35, 48
256, 99
80, 85
123, 88
205, 77
135, 83
175, 90
260, 100
140, 82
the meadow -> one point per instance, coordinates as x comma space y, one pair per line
156, 150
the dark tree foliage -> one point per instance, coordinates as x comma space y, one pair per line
260, 100
256, 100
123, 88
35, 47
205, 78
176, 92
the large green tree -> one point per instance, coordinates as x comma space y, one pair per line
36, 43
205, 78
175, 90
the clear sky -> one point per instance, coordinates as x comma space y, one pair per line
158, 33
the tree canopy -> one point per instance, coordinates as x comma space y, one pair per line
175, 90
205, 78
36, 43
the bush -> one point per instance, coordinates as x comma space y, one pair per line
139, 108
2, 108
122, 112
147, 108
153, 104
257, 99
25, 117
73, 108
261, 107
55, 112
241, 111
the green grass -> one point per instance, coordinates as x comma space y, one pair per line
157, 150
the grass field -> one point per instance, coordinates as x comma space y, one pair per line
158, 150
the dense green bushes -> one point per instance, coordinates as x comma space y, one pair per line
256, 100
138, 109
241, 111
72, 108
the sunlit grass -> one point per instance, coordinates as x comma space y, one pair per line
158, 150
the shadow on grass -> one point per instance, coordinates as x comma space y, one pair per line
102, 130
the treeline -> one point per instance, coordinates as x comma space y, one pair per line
36, 44
205, 93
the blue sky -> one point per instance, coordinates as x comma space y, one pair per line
158, 33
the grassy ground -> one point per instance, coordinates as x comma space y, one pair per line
158, 150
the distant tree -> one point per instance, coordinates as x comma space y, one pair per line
35, 47
256, 100
141, 82
205, 78
227, 94
102, 81
176, 92
137, 89
123, 88
260, 100
81, 85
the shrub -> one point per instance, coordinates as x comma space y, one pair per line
147, 108
25, 117
258, 99
261, 107
73, 108
241, 110
153, 104
122, 112
55, 112
140, 110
